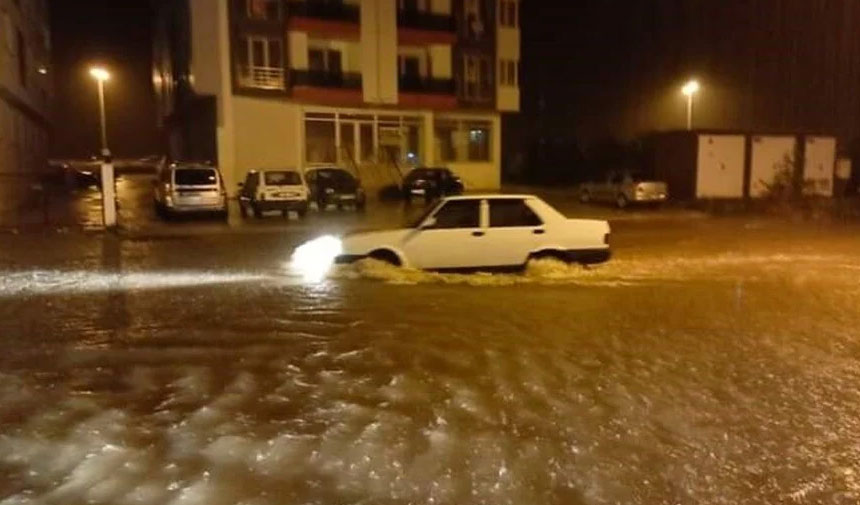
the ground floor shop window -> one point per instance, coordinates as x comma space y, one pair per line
463, 140
320, 144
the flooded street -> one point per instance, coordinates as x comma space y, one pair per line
712, 361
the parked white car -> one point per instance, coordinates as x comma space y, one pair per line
273, 190
483, 232
623, 189
189, 188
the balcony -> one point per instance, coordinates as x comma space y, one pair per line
416, 84
330, 10
268, 78
326, 79
422, 20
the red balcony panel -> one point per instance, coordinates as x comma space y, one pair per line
419, 37
325, 28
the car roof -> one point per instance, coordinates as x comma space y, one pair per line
264, 170
187, 166
491, 196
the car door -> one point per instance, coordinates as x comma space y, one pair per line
450, 238
513, 233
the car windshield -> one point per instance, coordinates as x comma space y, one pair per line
416, 222
195, 177
283, 178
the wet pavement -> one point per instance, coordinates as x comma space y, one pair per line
712, 361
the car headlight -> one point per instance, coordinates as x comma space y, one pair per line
329, 191
314, 258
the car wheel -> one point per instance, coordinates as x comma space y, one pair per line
285, 213
258, 212
243, 211
386, 256
303, 211
360, 207
551, 254
585, 196
224, 215
621, 201
321, 204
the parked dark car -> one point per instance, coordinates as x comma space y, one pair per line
430, 184
335, 186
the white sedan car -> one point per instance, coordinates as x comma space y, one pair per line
483, 232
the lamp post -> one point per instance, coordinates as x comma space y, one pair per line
689, 90
108, 189
101, 76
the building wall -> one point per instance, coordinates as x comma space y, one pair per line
268, 135
24, 97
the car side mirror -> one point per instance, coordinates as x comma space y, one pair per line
429, 223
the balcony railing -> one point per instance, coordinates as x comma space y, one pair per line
415, 84
325, 79
262, 78
425, 20
326, 9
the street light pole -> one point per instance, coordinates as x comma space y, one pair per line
107, 176
689, 90
101, 83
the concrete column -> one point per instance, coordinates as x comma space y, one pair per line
440, 61
225, 135
298, 44
429, 140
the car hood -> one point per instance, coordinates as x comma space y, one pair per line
362, 243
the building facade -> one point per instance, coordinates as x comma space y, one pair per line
377, 86
25, 95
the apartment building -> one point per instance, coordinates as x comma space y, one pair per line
25, 95
377, 86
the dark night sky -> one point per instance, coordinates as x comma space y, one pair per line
115, 33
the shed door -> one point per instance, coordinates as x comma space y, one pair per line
720, 164
770, 155
819, 162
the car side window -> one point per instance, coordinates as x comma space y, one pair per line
512, 213
458, 214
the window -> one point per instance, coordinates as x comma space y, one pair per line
413, 5
459, 214
261, 52
477, 77
508, 13
195, 177
474, 16
22, 59
512, 213
325, 60
320, 144
284, 178
508, 73
463, 140
479, 143
266, 10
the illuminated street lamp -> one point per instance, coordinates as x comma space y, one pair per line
107, 180
689, 90
101, 76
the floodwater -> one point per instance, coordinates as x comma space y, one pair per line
711, 362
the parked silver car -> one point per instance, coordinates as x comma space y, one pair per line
623, 189
190, 188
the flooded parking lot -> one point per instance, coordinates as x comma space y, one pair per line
712, 361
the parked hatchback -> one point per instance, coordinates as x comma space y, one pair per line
190, 188
430, 184
273, 190
335, 186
